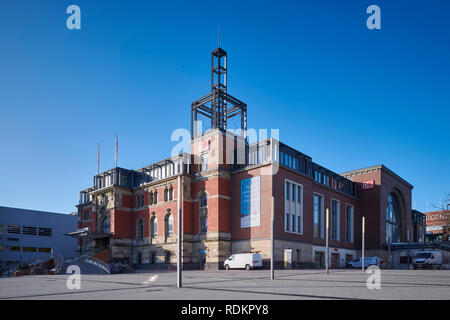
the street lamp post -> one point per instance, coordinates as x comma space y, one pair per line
272, 272
326, 239
363, 242
179, 230
389, 248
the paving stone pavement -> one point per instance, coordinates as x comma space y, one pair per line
235, 285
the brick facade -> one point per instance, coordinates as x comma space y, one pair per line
221, 183
123, 206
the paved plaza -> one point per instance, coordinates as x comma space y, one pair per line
235, 284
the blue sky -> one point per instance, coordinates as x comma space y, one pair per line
347, 96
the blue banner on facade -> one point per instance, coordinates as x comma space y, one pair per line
250, 202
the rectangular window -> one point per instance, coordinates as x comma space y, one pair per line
287, 190
317, 218
29, 249
293, 192
45, 232
349, 223
13, 229
14, 249
45, 250
204, 158
293, 206
2, 228
204, 225
334, 220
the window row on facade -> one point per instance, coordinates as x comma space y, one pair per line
27, 230
24, 249
168, 221
304, 165
153, 227
294, 214
153, 197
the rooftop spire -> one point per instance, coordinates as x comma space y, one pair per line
218, 107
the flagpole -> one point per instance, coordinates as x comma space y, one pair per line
98, 158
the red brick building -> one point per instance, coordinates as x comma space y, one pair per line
224, 188
437, 225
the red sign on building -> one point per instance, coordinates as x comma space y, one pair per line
368, 184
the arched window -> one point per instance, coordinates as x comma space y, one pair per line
392, 219
166, 194
140, 229
203, 213
203, 200
154, 227
170, 193
150, 198
140, 201
155, 197
169, 225
106, 225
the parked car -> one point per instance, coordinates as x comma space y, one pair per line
246, 261
428, 260
368, 261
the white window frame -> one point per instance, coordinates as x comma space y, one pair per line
352, 239
338, 222
298, 205
322, 216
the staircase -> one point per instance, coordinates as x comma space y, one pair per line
95, 262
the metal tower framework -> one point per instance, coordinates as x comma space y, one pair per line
218, 106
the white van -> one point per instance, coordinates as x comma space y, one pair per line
428, 260
368, 261
245, 261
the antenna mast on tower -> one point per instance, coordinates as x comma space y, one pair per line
218, 106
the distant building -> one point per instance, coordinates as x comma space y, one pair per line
437, 226
28, 235
419, 226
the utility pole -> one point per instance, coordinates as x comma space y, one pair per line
179, 229
326, 239
447, 213
363, 242
272, 252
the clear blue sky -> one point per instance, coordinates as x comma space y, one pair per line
347, 96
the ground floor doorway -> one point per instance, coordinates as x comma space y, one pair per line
335, 260
202, 259
319, 259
